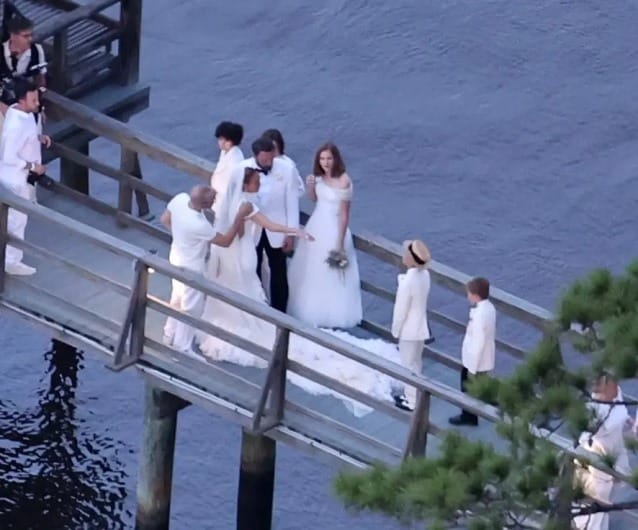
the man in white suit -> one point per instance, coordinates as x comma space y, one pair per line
278, 199
611, 418
409, 318
479, 344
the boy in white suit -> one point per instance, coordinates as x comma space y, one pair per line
409, 318
479, 343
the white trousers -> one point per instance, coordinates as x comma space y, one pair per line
187, 300
599, 486
411, 354
17, 223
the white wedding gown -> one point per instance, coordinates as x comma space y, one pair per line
320, 295
236, 271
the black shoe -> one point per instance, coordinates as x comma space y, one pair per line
463, 419
402, 403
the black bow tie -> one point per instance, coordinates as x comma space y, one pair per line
263, 171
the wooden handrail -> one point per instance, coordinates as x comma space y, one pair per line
377, 246
131, 138
423, 384
64, 20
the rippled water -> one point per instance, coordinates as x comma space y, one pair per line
503, 133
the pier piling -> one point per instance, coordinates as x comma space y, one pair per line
75, 176
256, 482
156, 466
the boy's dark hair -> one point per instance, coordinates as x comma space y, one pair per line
262, 145
231, 131
18, 23
275, 136
22, 86
480, 287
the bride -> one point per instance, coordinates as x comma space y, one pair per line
237, 272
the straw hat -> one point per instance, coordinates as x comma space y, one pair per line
416, 252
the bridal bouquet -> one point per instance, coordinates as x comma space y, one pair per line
337, 259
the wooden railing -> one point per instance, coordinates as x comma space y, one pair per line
143, 349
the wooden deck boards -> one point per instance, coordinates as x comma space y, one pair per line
93, 297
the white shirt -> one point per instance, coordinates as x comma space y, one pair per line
191, 233
479, 344
19, 144
228, 161
25, 59
409, 318
295, 171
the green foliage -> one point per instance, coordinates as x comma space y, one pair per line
469, 480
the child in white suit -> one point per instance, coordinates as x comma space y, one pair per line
479, 344
409, 319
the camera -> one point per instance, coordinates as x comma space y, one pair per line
7, 83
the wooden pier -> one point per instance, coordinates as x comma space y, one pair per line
103, 284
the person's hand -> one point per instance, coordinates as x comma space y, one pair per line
289, 244
310, 180
39, 169
305, 235
245, 209
45, 140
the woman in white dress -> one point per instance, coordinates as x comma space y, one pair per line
239, 275
320, 294
236, 270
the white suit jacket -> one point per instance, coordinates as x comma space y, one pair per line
479, 344
278, 197
409, 318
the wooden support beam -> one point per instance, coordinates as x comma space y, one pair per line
419, 426
75, 176
256, 482
4, 236
60, 70
130, 165
130, 40
156, 460
274, 385
133, 327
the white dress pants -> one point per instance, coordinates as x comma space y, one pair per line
187, 300
17, 223
410, 352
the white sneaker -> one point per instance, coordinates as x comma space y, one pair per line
19, 269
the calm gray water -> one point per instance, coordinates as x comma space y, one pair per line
503, 133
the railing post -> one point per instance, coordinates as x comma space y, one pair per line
4, 236
156, 466
73, 175
60, 47
130, 39
274, 390
419, 425
130, 164
134, 325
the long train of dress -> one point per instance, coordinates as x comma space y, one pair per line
236, 269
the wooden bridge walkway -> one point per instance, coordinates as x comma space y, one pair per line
93, 289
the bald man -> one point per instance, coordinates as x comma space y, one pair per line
192, 234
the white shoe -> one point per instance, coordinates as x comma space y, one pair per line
19, 269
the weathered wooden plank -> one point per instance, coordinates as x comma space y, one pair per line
129, 53
131, 138
109, 171
390, 252
64, 20
437, 316
68, 5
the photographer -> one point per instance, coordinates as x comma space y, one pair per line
21, 58
21, 164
